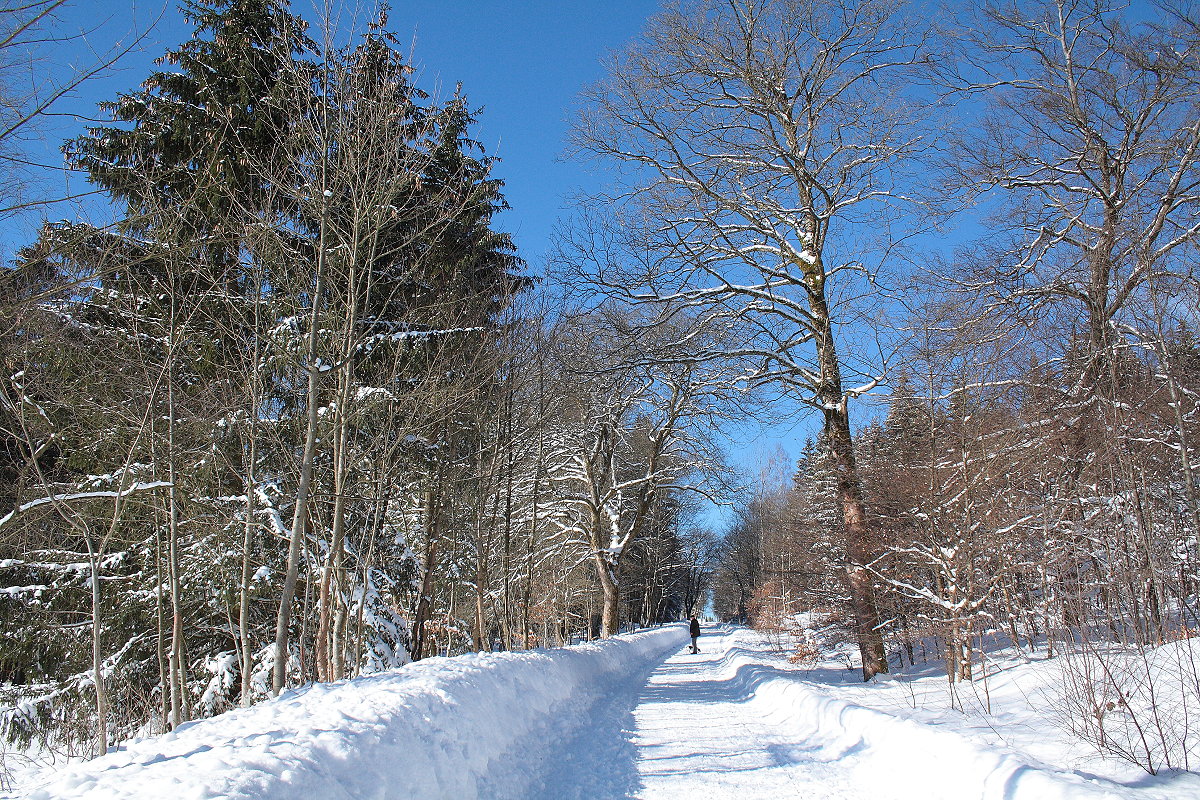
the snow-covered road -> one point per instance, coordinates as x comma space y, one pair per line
690, 727
698, 735
632, 717
734, 722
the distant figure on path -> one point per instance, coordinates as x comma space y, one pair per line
695, 631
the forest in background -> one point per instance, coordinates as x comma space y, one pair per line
300, 411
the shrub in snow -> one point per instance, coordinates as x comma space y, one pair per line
1137, 703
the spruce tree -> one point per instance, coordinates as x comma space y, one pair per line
145, 355
195, 140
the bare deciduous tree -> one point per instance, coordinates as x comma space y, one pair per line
751, 134
1090, 147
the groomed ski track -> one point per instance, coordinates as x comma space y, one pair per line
633, 717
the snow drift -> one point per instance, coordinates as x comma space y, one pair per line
468, 726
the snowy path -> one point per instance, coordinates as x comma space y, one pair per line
731, 722
631, 717
698, 735
692, 726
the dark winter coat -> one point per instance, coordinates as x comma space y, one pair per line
695, 629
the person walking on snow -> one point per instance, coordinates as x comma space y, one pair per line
695, 632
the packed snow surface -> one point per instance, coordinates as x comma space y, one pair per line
635, 716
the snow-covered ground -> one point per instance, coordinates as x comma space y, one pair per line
1014, 705
470, 726
738, 721
637, 716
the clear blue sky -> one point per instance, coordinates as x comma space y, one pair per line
525, 62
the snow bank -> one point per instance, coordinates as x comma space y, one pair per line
475, 725
901, 752
1028, 706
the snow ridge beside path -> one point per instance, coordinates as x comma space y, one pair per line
892, 756
469, 726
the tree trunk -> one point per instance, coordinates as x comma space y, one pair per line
860, 549
164, 671
424, 602
328, 659
177, 665
177, 660
332, 572
252, 380
300, 518
307, 456
481, 578
247, 665
101, 743
610, 615
506, 618
243, 629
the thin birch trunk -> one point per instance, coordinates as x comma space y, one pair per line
300, 518
101, 742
